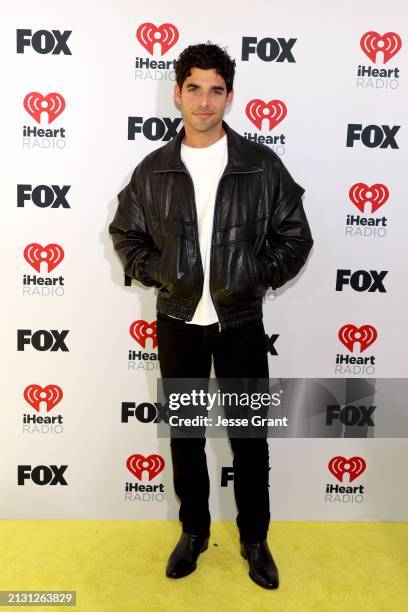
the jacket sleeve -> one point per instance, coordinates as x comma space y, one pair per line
289, 239
139, 255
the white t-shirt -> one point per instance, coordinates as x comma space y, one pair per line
206, 165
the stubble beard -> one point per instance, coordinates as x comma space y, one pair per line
204, 125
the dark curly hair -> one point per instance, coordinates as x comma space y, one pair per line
205, 56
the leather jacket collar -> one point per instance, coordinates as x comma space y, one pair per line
240, 154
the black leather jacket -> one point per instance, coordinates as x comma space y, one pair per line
261, 237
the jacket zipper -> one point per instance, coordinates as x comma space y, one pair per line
212, 245
213, 230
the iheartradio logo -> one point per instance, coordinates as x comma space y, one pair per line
366, 335
35, 395
257, 110
152, 464
165, 35
53, 104
354, 467
142, 330
35, 254
372, 42
361, 194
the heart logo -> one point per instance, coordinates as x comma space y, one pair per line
34, 254
354, 467
142, 330
166, 35
376, 195
51, 395
258, 110
372, 42
366, 335
152, 464
52, 104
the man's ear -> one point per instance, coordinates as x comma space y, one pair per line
230, 97
177, 93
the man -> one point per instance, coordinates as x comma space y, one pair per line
213, 220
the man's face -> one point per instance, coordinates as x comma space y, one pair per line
203, 99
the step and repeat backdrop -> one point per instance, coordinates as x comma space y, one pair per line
87, 93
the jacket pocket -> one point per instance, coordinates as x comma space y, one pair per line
239, 277
258, 273
151, 265
175, 270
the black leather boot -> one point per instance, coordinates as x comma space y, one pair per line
262, 568
183, 559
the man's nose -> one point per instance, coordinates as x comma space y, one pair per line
204, 99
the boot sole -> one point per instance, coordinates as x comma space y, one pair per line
204, 547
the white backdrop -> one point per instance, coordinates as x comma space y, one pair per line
101, 89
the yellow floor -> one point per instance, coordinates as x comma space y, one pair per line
118, 566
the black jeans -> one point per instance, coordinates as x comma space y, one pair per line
185, 351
